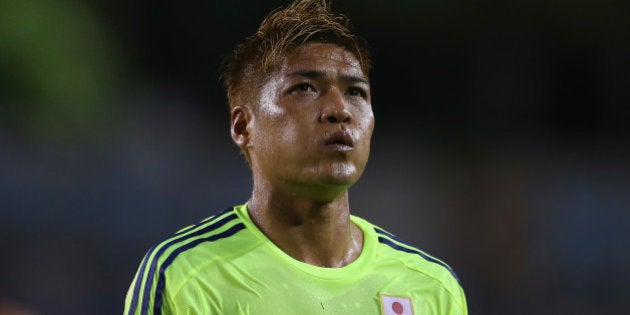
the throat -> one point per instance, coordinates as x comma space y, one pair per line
328, 251
324, 238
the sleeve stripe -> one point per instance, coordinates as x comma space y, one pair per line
151, 274
405, 243
138, 280
157, 306
160, 248
397, 244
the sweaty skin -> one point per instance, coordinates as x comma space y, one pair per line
308, 141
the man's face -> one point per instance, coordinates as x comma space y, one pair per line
314, 120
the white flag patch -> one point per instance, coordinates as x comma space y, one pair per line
396, 305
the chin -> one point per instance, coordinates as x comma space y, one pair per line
342, 174
324, 183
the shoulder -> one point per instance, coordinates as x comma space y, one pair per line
414, 257
173, 257
400, 256
208, 236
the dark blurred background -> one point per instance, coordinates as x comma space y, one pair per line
501, 143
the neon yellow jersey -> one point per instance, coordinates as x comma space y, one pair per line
226, 265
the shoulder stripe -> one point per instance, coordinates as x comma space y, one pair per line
397, 244
151, 273
159, 248
392, 236
405, 244
157, 306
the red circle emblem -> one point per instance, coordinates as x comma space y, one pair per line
397, 308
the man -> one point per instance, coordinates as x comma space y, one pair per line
301, 114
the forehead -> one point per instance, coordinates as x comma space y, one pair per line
323, 57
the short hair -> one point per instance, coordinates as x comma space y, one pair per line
303, 21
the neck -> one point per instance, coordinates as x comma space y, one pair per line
317, 232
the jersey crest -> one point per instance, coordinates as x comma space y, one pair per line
396, 305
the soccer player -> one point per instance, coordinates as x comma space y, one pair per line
301, 114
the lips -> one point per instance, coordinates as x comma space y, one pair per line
340, 140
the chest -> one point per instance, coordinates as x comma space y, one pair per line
280, 291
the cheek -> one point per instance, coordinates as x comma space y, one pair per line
291, 126
278, 137
366, 124
366, 127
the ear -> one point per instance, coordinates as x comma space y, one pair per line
241, 119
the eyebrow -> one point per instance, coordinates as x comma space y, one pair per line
316, 74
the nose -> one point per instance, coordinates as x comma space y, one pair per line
334, 109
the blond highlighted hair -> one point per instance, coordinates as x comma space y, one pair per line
303, 21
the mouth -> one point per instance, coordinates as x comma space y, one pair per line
339, 141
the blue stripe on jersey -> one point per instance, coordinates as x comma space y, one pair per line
392, 236
136, 289
410, 250
151, 273
157, 306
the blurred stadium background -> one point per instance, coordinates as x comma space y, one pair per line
501, 143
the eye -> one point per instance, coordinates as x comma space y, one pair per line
356, 91
303, 87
